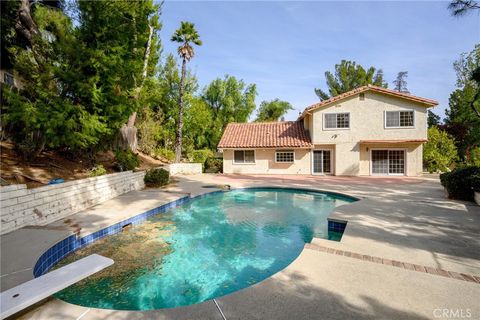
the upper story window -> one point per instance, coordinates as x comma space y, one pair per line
9, 79
285, 156
399, 119
244, 156
337, 120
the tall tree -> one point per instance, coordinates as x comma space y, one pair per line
120, 50
78, 79
462, 7
272, 110
230, 100
186, 35
400, 82
463, 120
347, 76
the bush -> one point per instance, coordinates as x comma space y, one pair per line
165, 154
157, 177
200, 156
214, 165
459, 182
440, 150
475, 183
126, 160
97, 170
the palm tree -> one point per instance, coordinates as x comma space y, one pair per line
186, 35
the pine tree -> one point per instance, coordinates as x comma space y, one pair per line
349, 75
400, 83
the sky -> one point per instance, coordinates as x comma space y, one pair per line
286, 47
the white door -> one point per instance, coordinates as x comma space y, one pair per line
388, 162
322, 161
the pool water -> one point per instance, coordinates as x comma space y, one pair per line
207, 248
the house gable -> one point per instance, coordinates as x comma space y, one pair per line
370, 89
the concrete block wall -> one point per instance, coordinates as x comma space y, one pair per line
184, 168
21, 207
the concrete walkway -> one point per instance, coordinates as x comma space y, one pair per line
402, 219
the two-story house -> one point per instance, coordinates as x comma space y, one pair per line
366, 131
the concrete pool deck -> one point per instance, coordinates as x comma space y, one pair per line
402, 219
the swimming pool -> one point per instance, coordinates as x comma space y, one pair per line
206, 248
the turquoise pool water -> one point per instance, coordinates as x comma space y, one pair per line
207, 248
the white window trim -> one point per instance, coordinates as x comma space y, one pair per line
332, 162
328, 129
284, 151
245, 163
400, 127
389, 174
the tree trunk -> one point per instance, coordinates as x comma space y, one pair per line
179, 135
25, 24
128, 132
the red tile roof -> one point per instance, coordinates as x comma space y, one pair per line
425, 101
395, 141
287, 134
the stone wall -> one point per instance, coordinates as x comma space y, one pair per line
184, 168
39, 206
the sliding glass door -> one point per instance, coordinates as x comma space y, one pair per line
388, 162
322, 161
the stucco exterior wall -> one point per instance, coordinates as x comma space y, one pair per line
265, 163
367, 122
413, 152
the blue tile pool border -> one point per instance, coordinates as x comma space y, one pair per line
72, 243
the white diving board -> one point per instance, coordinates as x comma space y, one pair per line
22, 296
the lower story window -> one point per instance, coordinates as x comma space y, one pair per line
244, 156
285, 156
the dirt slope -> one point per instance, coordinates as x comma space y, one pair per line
50, 165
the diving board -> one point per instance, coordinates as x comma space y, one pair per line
22, 296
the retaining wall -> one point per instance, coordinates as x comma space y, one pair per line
184, 168
20, 206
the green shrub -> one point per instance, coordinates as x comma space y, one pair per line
156, 177
97, 170
200, 156
475, 182
165, 154
459, 182
126, 160
440, 150
214, 165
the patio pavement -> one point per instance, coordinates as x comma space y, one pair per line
402, 219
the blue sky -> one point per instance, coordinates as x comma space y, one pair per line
286, 47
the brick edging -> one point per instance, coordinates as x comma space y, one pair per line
394, 263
